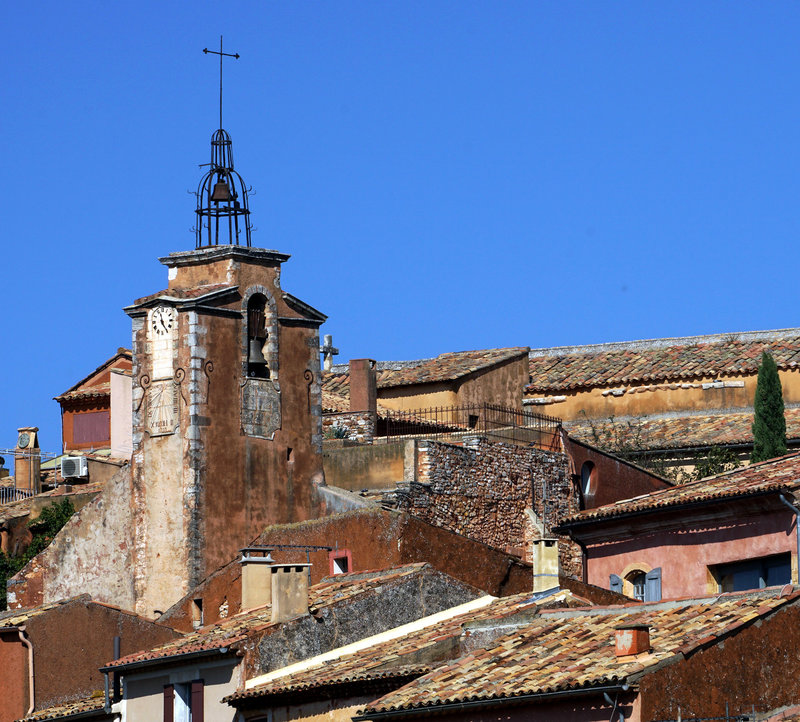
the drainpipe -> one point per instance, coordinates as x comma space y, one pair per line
796, 530
23, 637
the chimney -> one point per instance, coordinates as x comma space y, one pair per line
545, 564
363, 386
289, 591
256, 577
28, 459
631, 639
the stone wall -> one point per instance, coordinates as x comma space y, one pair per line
358, 425
486, 491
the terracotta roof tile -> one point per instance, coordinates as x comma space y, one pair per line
64, 711
445, 367
561, 369
690, 430
772, 475
390, 658
571, 649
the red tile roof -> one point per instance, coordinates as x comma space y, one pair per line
393, 657
564, 650
574, 367
773, 475
678, 432
80, 707
235, 629
445, 367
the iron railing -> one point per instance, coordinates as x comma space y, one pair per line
498, 423
23, 488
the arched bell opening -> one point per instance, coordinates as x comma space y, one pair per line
257, 335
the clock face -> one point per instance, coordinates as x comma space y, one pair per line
24, 440
162, 321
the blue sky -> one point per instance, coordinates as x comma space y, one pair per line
446, 175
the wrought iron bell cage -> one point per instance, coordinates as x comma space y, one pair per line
223, 212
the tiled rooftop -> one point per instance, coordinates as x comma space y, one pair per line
575, 367
397, 657
684, 431
445, 367
235, 629
773, 475
563, 650
81, 707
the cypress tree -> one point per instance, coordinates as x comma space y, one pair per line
769, 425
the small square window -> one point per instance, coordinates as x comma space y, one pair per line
341, 561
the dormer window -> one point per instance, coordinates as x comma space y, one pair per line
257, 337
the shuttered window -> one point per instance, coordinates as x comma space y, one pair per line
169, 703
197, 700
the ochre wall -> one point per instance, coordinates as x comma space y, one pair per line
364, 466
501, 385
684, 548
14, 685
72, 641
203, 492
613, 478
642, 399
378, 540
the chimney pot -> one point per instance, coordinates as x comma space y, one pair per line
631, 639
289, 591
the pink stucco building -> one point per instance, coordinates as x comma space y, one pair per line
731, 532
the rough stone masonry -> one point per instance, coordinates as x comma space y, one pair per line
486, 491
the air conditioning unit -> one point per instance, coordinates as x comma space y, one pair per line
74, 466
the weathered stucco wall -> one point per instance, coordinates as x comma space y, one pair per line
612, 478
377, 539
91, 554
365, 466
734, 391
757, 666
483, 491
501, 384
685, 547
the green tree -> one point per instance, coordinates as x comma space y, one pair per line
769, 424
717, 461
43, 528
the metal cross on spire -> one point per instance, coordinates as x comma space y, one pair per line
221, 55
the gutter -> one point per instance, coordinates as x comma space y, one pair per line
568, 527
490, 703
796, 511
23, 637
164, 660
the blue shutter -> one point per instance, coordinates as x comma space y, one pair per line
652, 588
615, 583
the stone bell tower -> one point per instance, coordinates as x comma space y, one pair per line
227, 427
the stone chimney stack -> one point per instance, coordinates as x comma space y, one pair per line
545, 564
631, 639
256, 578
28, 460
289, 591
363, 385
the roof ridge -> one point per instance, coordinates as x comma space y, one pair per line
654, 343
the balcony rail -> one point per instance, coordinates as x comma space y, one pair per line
452, 423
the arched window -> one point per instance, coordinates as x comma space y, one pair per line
257, 337
588, 479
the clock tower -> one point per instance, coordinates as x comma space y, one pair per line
227, 427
